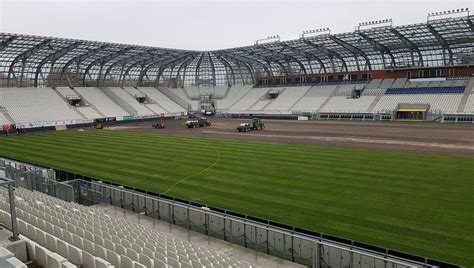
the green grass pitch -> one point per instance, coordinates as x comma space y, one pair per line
421, 203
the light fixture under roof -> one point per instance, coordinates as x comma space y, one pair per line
374, 24
315, 32
445, 14
269, 39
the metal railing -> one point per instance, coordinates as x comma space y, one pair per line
290, 245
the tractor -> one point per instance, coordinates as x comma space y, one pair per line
256, 124
198, 122
160, 124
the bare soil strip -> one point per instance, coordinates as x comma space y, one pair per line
411, 136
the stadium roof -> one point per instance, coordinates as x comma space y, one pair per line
47, 61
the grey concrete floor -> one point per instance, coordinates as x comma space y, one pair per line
253, 257
4, 235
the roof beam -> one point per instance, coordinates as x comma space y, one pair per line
141, 63
212, 68
226, 63
184, 65
354, 50
166, 64
80, 58
5, 43
151, 63
174, 65
331, 54
309, 56
378, 46
240, 58
102, 62
444, 44
267, 60
123, 62
198, 65
23, 57
247, 65
407, 42
470, 23
287, 57
53, 57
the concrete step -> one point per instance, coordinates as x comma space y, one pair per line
462, 104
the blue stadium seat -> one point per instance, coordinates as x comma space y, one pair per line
426, 90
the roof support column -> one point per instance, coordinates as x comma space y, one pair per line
331, 54
354, 50
410, 45
444, 44
53, 58
22, 58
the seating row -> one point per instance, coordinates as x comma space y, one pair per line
87, 237
425, 90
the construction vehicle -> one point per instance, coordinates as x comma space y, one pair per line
256, 124
198, 122
160, 124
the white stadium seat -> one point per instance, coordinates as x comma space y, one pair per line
34, 105
163, 103
132, 246
101, 102
40, 105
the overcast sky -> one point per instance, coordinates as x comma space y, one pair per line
204, 25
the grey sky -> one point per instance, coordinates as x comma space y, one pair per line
203, 25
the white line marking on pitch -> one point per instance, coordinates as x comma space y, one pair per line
350, 139
194, 174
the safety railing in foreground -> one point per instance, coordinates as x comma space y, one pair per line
291, 245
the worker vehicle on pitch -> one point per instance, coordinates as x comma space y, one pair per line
198, 122
160, 124
256, 124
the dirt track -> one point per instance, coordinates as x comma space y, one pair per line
448, 138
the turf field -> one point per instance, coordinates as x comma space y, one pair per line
420, 203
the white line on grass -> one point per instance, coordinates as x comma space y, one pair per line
194, 174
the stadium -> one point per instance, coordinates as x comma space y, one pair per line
351, 149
